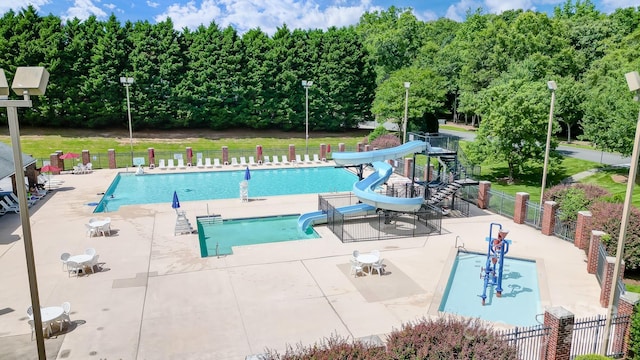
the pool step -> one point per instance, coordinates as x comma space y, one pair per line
183, 226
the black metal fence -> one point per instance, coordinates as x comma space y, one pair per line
588, 336
381, 225
564, 229
533, 216
501, 203
529, 341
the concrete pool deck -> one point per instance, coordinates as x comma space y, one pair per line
155, 298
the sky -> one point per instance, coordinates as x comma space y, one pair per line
268, 15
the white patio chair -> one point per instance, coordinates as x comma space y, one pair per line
285, 160
73, 267
89, 167
90, 251
207, 163
307, 160
46, 328
181, 165
356, 268
267, 160
243, 161
378, 266
356, 253
375, 253
93, 263
252, 161
216, 163
66, 318
275, 160
64, 258
199, 164
171, 165
161, 165
91, 231
298, 159
234, 162
316, 159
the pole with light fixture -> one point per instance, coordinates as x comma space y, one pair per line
633, 81
306, 84
128, 81
406, 112
27, 81
553, 87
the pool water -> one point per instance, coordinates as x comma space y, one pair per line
224, 234
129, 189
520, 301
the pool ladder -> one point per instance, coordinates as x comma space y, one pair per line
461, 242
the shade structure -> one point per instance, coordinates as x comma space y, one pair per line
176, 202
247, 174
69, 156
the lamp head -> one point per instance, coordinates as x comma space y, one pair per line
633, 80
552, 85
407, 84
126, 80
4, 86
30, 80
307, 83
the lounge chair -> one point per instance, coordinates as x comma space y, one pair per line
181, 165
216, 163
234, 162
170, 164
207, 163
161, 165
89, 167
12, 199
285, 160
275, 160
316, 158
267, 161
199, 164
307, 160
243, 161
252, 161
298, 159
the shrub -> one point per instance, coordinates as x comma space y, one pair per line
385, 142
335, 347
574, 198
376, 133
448, 338
606, 217
634, 335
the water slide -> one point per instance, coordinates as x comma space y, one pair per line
365, 189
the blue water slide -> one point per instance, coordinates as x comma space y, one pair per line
320, 217
365, 191
368, 157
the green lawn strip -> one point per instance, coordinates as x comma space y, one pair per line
604, 178
632, 287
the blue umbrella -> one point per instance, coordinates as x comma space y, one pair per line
247, 174
176, 203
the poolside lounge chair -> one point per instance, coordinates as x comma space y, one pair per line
234, 162
89, 167
216, 163
170, 164
181, 164
12, 199
207, 163
199, 164
285, 160
267, 161
275, 160
307, 160
316, 158
243, 161
252, 161
161, 165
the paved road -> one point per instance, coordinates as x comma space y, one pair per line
578, 153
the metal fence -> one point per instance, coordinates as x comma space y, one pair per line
588, 336
565, 230
501, 203
529, 341
533, 216
602, 264
379, 226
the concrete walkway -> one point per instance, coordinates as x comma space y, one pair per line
155, 298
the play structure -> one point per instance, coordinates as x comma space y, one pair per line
491, 273
365, 190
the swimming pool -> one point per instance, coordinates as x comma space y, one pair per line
520, 301
217, 236
129, 189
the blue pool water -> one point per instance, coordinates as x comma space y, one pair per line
129, 189
520, 301
224, 234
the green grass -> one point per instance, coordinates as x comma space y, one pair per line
632, 287
604, 178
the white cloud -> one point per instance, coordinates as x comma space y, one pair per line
110, 6
610, 5
458, 11
152, 4
267, 15
82, 9
500, 6
426, 15
6, 5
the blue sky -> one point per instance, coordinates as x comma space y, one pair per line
270, 14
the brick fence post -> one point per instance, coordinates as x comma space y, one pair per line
151, 153
86, 157
53, 160
259, 155
112, 159
359, 147
608, 282
292, 153
341, 147
592, 254
626, 307
408, 168
225, 155
483, 194
560, 322
323, 152
583, 230
189, 155
520, 211
367, 148
549, 217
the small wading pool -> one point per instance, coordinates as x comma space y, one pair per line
213, 232
520, 301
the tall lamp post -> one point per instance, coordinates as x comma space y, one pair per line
552, 86
127, 82
406, 112
633, 81
307, 84
27, 81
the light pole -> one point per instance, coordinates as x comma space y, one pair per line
406, 112
307, 84
27, 81
127, 81
552, 86
633, 81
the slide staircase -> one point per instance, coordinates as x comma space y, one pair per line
444, 192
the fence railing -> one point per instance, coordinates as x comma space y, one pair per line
588, 335
534, 215
564, 229
501, 203
529, 341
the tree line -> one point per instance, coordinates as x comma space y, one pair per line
489, 70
